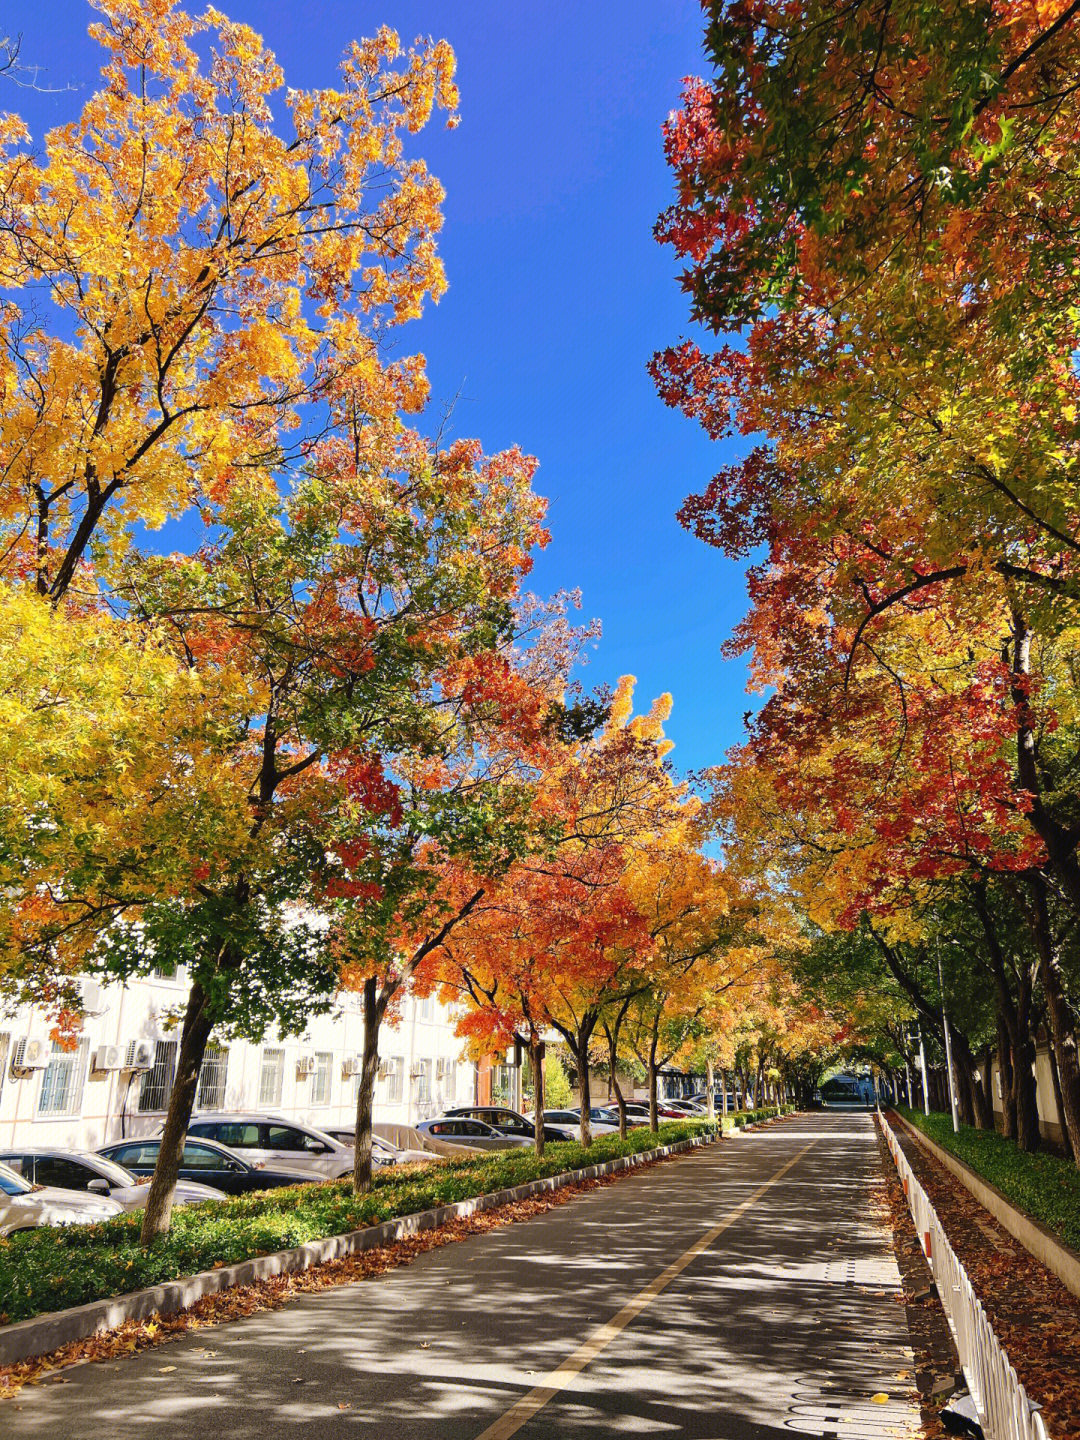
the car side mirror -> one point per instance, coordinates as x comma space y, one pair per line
100, 1186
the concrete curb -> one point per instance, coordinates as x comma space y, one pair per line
43, 1333
1058, 1258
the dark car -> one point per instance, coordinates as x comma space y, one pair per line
509, 1122
207, 1161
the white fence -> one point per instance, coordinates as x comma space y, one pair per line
1005, 1413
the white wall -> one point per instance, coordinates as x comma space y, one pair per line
74, 1106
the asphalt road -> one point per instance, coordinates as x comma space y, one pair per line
743, 1292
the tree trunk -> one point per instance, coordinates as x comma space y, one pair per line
159, 1198
612, 1034
969, 1092
709, 1082
581, 1055
723, 1094
1026, 1100
1005, 1079
365, 1091
1059, 1104
1060, 1018
654, 1118
536, 1058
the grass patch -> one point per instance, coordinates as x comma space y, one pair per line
52, 1268
1043, 1186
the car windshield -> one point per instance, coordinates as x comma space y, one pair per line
109, 1170
12, 1183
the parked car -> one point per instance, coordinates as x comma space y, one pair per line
663, 1110
688, 1107
272, 1140
509, 1122
570, 1120
460, 1130
383, 1151
204, 1160
85, 1171
26, 1207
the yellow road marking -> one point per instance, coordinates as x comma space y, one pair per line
520, 1414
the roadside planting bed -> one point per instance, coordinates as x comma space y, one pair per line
1044, 1186
51, 1269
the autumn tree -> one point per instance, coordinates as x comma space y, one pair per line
222, 280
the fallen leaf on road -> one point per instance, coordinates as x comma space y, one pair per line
880, 1398
166, 1369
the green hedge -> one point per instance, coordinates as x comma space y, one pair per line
766, 1112
52, 1268
1042, 1185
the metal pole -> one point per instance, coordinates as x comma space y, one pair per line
922, 1063
948, 1046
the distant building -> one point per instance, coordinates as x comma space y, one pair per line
86, 1097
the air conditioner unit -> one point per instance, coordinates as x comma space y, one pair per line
418, 1069
305, 1065
140, 1055
30, 1054
108, 1057
93, 999
443, 1069
388, 1067
352, 1065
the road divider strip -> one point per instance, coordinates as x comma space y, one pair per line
44, 1333
529, 1405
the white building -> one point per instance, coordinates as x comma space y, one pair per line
86, 1097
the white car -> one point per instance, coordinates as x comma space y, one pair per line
273, 1141
95, 1175
26, 1207
600, 1122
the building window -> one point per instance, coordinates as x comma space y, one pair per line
395, 1075
501, 1084
212, 1072
167, 970
5, 1046
320, 1090
157, 1082
271, 1077
422, 1075
62, 1083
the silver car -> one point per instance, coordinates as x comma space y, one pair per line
96, 1175
25, 1207
274, 1141
383, 1151
474, 1133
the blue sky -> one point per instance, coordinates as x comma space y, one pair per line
558, 295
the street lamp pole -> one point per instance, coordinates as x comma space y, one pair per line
922, 1063
948, 1044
